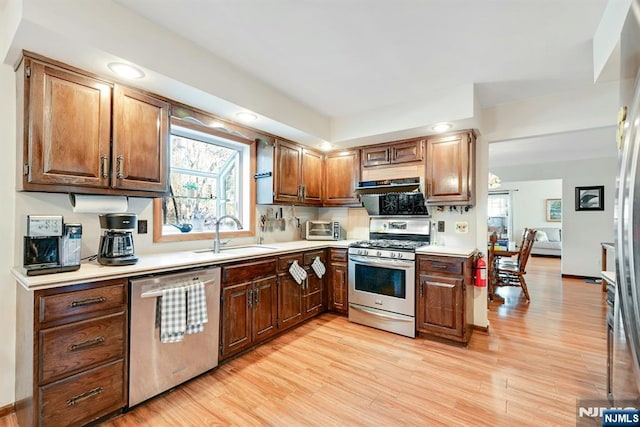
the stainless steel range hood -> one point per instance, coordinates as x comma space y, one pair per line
402, 185
393, 197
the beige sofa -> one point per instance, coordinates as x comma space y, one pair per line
548, 242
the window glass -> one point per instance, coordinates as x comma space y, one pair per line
209, 178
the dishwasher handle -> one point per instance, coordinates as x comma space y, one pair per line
152, 287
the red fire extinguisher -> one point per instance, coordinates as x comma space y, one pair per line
481, 272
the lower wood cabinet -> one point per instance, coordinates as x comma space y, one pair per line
289, 293
338, 272
314, 294
444, 305
249, 305
72, 343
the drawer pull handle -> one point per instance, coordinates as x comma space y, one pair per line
439, 266
87, 343
88, 301
85, 396
105, 166
119, 167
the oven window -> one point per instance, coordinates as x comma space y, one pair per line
380, 280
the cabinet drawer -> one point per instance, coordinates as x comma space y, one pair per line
309, 257
338, 255
71, 348
239, 273
285, 261
59, 306
441, 265
83, 397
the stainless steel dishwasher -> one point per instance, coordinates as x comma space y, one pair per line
155, 366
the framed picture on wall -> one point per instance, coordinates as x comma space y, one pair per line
554, 209
590, 198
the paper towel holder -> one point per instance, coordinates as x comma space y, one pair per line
106, 204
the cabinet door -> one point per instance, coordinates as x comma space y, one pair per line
440, 308
449, 170
265, 308
313, 294
69, 128
311, 177
375, 156
410, 151
236, 318
341, 176
338, 288
287, 180
289, 301
140, 141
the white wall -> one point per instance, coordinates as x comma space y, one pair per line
7, 196
582, 232
529, 200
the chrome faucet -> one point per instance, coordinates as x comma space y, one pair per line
216, 241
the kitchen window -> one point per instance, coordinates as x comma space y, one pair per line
210, 176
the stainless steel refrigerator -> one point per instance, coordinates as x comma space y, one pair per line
624, 319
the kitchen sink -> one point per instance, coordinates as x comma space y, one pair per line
248, 249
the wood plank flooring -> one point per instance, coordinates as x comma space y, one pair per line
529, 370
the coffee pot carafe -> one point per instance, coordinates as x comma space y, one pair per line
116, 242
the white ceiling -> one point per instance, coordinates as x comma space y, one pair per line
346, 71
343, 57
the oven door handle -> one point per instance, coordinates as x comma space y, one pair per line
377, 313
395, 263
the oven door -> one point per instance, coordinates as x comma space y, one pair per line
383, 284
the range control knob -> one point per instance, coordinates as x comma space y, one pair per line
393, 254
400, 255
379, 253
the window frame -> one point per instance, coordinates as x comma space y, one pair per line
248, 229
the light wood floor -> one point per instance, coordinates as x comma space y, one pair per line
529, 370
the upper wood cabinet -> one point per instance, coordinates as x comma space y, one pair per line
69, 120
140, 141
450, 175
407, 151
341, 176
298, 175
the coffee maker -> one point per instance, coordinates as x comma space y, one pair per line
116, 242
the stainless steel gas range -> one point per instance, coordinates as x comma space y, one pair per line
382, 274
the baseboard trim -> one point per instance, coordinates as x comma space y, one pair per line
481, 329
573, 276
7, 410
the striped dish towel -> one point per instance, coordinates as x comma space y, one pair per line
318, 267
297, 272
173, 315
196, 308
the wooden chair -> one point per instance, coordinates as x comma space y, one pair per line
491, 264
512, 274
506, 258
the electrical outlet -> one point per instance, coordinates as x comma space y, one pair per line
440, 226
462, 227
142, 226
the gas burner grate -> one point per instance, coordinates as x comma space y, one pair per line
405, 245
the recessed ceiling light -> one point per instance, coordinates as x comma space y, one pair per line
125, 70
441, 127
326, 146
246, 116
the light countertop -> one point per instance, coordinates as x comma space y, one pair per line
445, 250
173, 261
609, 276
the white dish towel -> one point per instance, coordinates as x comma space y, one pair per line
173, 315
196, 308
318, 267
298, 273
